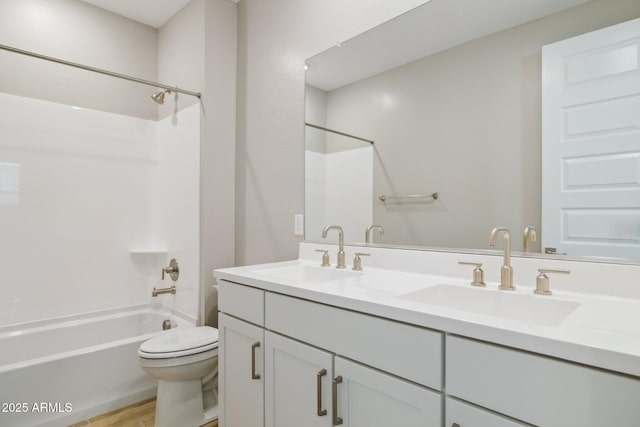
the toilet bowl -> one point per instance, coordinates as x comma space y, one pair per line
182, 360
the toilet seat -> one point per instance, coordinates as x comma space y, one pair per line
180, 342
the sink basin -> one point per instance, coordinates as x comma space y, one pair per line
540, 310
307, 274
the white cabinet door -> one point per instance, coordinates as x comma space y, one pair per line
241, 378
459, 414
297, 384
370, 398
591, 143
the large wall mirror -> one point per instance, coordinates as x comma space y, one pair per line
431, 126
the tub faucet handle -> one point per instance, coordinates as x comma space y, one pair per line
172, 270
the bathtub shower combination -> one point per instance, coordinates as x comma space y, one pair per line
85, 232
68, 369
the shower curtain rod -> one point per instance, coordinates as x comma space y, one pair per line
338, 132
98, 70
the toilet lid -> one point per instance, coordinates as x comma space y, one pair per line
180, 342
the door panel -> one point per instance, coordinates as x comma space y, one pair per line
370, 398
241, 400
293, 370
591, 143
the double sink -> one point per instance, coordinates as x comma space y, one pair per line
529, 308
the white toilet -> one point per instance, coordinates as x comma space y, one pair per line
183, 360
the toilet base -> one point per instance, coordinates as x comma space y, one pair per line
179, 403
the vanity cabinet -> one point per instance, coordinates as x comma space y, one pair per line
461, 414
537, 389
300, 383
320, 365
241, 356
325, 366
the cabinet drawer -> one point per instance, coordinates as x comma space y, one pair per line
403, 350
538, 389
241, 301
466, 415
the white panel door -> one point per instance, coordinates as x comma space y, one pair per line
591, 143
241, 374
297, 384
370, 398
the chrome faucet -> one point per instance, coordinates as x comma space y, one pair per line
367, 234
341, 256
530, 233
506, 273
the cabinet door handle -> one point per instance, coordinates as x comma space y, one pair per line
254, 376
455, 425
336, 419
321, 412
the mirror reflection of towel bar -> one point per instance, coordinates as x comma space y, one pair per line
384, 197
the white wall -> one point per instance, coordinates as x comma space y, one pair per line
176, 207
315, 197
339, 189
349, 191
98, 195
275, 38
85, 186
76, 31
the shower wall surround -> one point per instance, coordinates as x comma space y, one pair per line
338, 176
83, 189
176, 210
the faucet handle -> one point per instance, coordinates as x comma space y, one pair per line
478, 273
357, 261
325, 257
172, 270
542, 281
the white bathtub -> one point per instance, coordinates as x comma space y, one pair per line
55, 373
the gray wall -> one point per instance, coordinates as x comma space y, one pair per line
197, 51
274, 39
77, 32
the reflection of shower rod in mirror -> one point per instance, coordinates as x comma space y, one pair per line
338, 132
384, 197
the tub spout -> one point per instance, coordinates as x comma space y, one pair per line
156, 292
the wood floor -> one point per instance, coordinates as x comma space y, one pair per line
141, 414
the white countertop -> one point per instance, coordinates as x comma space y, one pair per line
599, 330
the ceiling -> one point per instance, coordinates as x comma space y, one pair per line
154, 13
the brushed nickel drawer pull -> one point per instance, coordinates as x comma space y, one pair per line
321, 412
336, 419
254, 376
